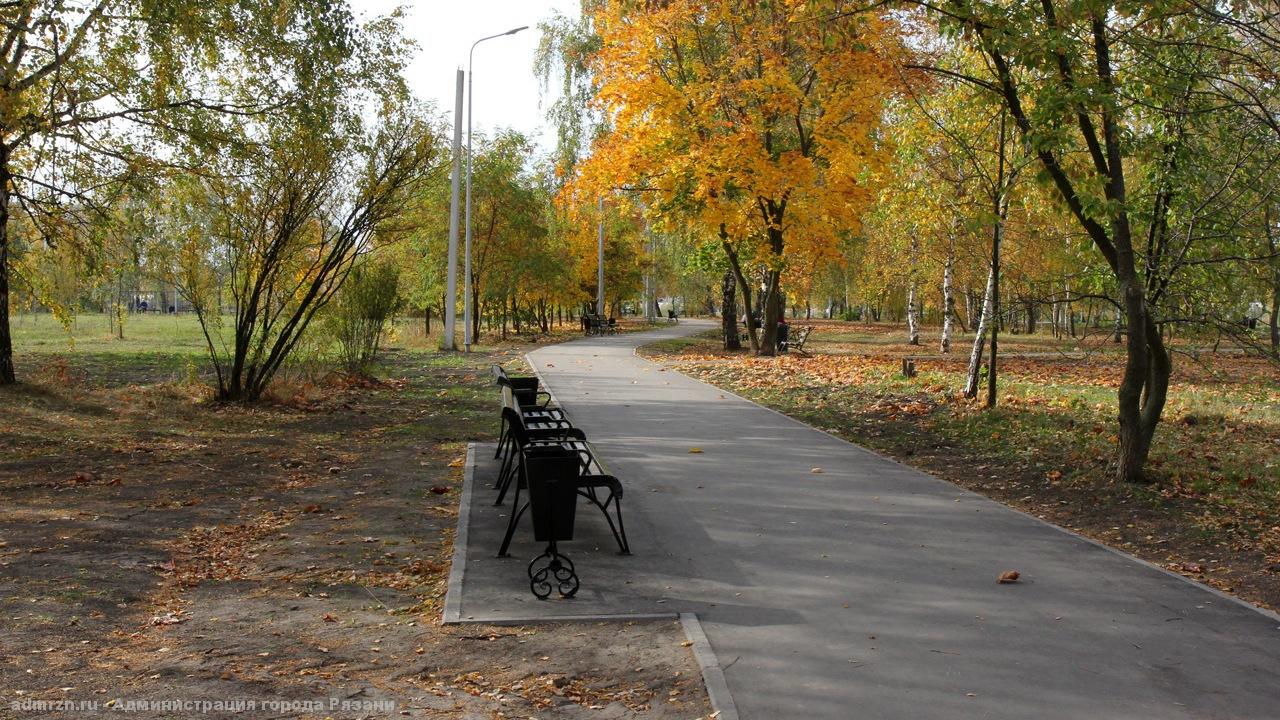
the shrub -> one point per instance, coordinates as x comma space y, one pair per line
365, 307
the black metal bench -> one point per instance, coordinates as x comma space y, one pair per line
598, 325
589, 478
795, 341
533, 429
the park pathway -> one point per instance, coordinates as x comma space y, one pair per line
835, 583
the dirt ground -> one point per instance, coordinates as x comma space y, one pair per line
157, 548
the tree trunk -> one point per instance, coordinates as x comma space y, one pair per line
979, 341
913, 292
948, 295
773, 278
477, 316
1144, 386
1274, 246
772, 314
997, 236
743, 285
729, 312
1001, 207
7, 375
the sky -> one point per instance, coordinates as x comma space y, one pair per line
506, 92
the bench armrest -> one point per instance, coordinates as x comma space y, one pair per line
607, 481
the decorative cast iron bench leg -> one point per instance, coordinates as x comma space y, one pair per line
553, 571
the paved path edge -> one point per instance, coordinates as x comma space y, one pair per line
722, 705
458, 567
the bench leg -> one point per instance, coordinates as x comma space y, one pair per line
624, 547
619, 532
502, 438
557, 573
510, 471
512, 523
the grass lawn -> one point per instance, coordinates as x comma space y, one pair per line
1212, 511
158, 545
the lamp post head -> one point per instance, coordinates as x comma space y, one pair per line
516, 30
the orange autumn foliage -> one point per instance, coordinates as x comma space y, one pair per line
761, 118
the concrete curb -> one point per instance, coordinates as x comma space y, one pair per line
722, 703
556, 619
1270, 614
457, 568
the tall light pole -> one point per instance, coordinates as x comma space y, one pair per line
451, 282
466, 286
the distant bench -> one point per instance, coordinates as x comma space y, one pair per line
797, 340
788, 340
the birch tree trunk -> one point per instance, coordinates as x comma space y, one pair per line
1071, 312
980, 339
1273, 246
913, 320
948, 296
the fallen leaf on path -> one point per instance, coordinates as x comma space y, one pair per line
439, 489
816, 471
695, 451
169, 618
1008, 576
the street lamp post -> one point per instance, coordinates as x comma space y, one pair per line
451, 293
466, 272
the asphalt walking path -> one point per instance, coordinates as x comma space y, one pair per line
835, 583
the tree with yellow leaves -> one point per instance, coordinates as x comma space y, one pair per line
754, 121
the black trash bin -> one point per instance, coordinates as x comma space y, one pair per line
551, 475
